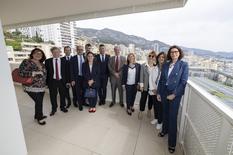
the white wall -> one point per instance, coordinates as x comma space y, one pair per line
11, 133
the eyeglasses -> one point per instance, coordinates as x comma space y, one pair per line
172, 52
151, 56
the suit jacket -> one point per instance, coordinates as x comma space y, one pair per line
111, 65
50, 71
174, 83
125, 74
74, 70
104, 72
89, 75
144, 76
67, 69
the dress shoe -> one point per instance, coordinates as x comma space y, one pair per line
132, 109
171, 149
161, 134
75, 105
103, 103
52, 113
129, 112
112, 104
80, 108
64, 110
90, 110
122, 105
68, 105
40, 122
100, 103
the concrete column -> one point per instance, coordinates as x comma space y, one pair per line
11, 133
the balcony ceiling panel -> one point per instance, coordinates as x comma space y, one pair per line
19, 13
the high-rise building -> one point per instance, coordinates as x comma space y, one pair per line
61, 34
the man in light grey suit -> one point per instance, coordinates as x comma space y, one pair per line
115, 65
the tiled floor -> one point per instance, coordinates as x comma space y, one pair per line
109, 131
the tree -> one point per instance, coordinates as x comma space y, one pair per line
15, 44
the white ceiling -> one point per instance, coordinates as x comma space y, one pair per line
20, 13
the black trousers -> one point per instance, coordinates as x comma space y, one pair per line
55, 87
143, 100
80, 90
158, 110
74, 95
102, 91
131, 91
37, 97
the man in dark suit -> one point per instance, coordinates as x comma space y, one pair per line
76, 63
115, 66
56, 80
102, 59
67, 57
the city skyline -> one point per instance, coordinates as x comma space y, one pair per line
200, 24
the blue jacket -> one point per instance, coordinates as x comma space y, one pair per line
91, 75
176, 82
125, 74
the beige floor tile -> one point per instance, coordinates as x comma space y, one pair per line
109, 131
39, 144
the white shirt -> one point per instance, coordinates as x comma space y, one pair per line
170, 69
68, 57
102, 57
131, 76
90, 66
153, 74
59, 68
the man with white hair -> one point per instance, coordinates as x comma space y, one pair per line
115, 65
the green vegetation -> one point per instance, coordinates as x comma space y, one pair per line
220, 94
15, 39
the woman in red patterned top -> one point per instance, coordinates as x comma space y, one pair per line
34, 68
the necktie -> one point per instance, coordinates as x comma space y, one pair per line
56, 66
102, 58
117, 64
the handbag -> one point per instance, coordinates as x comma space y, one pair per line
17, 78
90, 93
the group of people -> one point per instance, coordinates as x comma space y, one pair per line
161, 79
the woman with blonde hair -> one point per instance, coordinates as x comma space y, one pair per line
147, 82
130, 80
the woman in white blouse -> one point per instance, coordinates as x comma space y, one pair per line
148, 76
130, 79
158, 110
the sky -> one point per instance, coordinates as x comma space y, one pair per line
205, 24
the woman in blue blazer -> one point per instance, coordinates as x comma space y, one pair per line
130, 80
171, 88
91, 74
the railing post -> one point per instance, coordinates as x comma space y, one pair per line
183, 120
